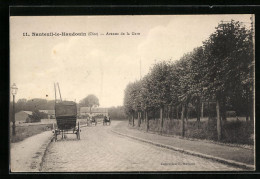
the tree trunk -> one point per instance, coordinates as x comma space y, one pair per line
144, 118
182, 121
202, 109
177, 112
139, 119
161, 118
140, 116
147, 121
133, 118
218, 121
186, 112
169, 112
172, 112
223, 110
247, 111
198, 114
208, 111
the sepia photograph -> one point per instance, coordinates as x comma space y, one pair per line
132, 93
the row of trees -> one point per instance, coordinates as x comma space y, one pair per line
117, 112
43, 104
37, 104
34, 104
220, 71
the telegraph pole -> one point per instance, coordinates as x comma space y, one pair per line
55, 92
140, 70
59, 90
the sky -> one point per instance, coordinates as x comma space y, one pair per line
99, 64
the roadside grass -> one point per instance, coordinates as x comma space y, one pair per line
23, 132
233, 131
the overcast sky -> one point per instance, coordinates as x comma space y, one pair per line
100, 65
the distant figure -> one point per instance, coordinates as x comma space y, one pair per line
106, 120
93, 119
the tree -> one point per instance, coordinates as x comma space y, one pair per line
183, 68
117, 112
197, 73
89, 101
50, 105
136, 96
129, 101
36, 103
20, 105
37, 116
222, 70
147, 98
228, 54
160, 85
175, 90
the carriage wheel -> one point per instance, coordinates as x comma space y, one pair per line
78, 132
55, 138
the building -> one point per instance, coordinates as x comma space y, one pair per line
51, 113
23, 116
95, 111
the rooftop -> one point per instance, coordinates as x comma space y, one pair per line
93, 110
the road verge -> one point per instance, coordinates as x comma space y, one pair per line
217, 159
28, 155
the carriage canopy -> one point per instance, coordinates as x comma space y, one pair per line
65, 109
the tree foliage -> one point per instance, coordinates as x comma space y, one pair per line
37, 116
117, 112
33, 104
132, 99
221, 69
89, 101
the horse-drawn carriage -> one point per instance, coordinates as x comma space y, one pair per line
66, 118
93, 121
106, 121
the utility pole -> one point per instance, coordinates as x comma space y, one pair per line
59, 91
55, 92
140, 70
